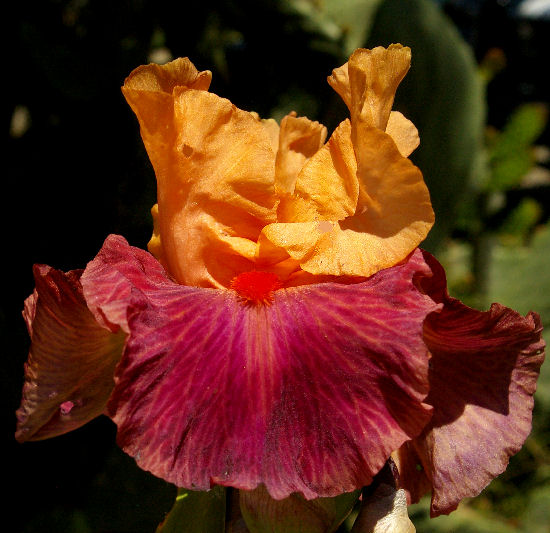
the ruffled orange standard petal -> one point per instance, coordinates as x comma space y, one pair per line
339, 81
272, 128
165, 78
391, 214
393, 198
237, 193
327, 186
373, 96
148, 91
403, 132
358, 205
374, 76
215, 170
299, 139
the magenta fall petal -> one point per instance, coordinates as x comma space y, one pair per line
309, 394
69, 372
483, 375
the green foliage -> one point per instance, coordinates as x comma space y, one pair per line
346, 22
522, 129
519, 223
537, 517
487, 214
510, 151
520, 275
464, 520
295, 514
60, 520
197, 512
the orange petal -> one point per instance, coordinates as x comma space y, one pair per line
148, 90
339, 81
227, 203
272, 129
280, 241
327, 186
327, 248
155, 244
165, 78
392, 217
214, 165
403, 132
349, 251
299, 139
373, 77
219, 187
391, 187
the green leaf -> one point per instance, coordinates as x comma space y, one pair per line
346, 21
522, 129
294, 514
537, 517
443, 95
196, 512
519, 277
510, 154
506, 173
464, 520
520, 222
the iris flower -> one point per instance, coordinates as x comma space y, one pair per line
284, 330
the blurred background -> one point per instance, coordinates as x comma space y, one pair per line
76, 171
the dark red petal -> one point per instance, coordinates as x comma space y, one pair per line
413, 476
308, 394
69, 372
483, 376
119, 277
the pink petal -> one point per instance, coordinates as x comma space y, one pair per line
309, 394
69, 373
119, 278
412, 476
483, 376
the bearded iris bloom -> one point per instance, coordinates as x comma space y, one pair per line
284, 329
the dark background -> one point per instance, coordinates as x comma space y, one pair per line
77, 171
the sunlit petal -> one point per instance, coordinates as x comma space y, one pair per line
69, 372
215, 170
483, 376
211, 390
374, 76
392, 216
403, 132
299, 139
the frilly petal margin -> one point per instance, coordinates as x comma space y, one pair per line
309, 394
483, 375
69, 372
